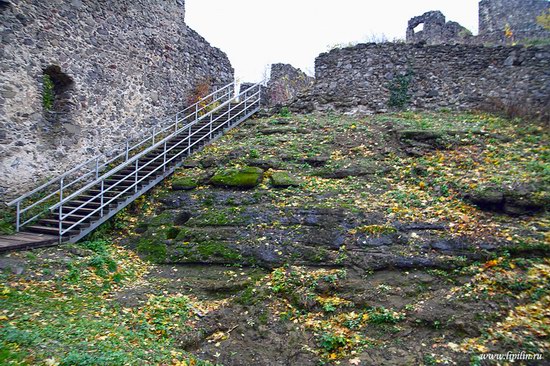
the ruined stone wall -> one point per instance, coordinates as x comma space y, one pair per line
436, 30
285, 83
362, 78
117, 67
519, 15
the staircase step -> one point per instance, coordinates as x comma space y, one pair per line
55, 223
49, 230
84, 211
88, 204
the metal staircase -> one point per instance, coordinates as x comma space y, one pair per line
77, 202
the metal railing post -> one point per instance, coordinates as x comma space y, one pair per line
127, 149
177, 119
97, 168
259, 95
164, 158
101, 197
136, 182
189, 146
18, 219
229, 115
154, 132
60, 209
196, 111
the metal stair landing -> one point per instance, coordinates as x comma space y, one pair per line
72, 205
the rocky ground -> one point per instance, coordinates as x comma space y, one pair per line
398, 239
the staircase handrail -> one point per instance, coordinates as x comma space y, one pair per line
97, 167
132, 174
146, 151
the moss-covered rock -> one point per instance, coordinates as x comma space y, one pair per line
284, 180
172, 232
218, 217
152, 249
247, 177
204, 252
165, 218
184, 183
525, 199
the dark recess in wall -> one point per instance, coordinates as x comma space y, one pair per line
62, 82
62, 85
4, 5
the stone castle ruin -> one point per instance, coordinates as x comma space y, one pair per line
443, 66
500, 22
78, 78
285, 83
436, 30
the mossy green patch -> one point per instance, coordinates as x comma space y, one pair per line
154, 250
284, 180
165, 218
218, 217
184, 183
197, 234
172, 232
247, 177
210, 251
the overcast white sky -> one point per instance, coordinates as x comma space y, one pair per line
256, 33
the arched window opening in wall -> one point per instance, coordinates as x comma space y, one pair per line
56, 92
418, 28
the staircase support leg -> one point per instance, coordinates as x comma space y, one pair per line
164, 158
101, 198
228, 115
136, 182
189, 145
60, 210
18, 218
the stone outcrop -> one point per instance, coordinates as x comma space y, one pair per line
79, 77
436, 30
285, 83
366, 77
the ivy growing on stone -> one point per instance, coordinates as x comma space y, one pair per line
399, 90
48, 93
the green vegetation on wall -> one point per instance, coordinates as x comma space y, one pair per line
399, 90
48, 93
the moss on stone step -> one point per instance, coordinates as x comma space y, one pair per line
153, 249
284, 180
247, 177
204, 252
184, 183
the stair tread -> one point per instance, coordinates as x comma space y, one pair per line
48, 228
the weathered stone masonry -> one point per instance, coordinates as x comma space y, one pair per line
436, 30
518, 15
452, 76
500, 22
285, 83
117, 67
